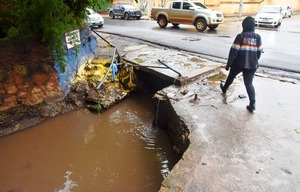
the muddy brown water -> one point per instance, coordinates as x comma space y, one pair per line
117, 150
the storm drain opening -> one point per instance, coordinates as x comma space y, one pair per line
165, 117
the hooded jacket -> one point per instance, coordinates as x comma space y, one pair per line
246, 48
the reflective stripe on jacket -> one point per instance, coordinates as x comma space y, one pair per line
245, 51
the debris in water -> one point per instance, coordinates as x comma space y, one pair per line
17, 126
96, 107
69, 184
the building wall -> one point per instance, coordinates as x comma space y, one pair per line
75, 59
228, 7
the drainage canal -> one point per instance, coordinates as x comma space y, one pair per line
117, 150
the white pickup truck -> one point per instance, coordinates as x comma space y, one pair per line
187, 12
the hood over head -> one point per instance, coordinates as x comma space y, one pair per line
248, 24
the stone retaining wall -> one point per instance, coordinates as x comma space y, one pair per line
27, 71
27, 75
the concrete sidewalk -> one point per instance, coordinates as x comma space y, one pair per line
230, 149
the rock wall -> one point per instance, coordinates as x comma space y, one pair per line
29, 75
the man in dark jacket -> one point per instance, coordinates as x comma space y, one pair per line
243, 57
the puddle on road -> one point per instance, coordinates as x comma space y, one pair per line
117, 150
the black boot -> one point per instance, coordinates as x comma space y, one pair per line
251, 107
222, 87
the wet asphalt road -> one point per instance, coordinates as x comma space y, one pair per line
281, 45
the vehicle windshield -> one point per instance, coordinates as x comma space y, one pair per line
90, 11
270, 10
200, 5
128, 7
286, 7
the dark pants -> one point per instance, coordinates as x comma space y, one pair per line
248, 75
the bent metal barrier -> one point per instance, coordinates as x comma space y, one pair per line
114, 64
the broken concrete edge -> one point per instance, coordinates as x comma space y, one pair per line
168, 119
137, 66
179, 131
180, 80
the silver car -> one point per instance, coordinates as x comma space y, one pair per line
94, 19
125, 11
287, 10
269, 15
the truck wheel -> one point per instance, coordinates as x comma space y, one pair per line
200, 24
126, 16
162, 21
212, 26
111, 15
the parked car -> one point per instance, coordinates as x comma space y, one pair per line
187, 12
125, 11
94, 19
287, 11
269, 15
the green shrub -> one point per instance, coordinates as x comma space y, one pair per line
48, 19
13, 32
101, 5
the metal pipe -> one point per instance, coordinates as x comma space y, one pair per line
169, 67
102, 37
105, 76
150, 66
112, 59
